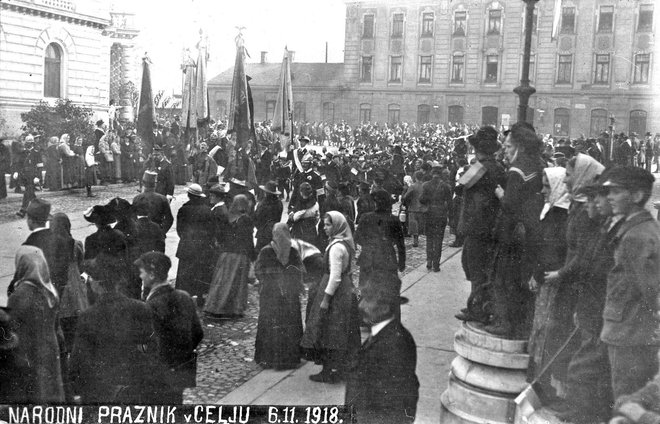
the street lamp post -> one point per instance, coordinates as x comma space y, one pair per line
524, 91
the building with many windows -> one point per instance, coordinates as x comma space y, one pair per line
50, 49
459, 61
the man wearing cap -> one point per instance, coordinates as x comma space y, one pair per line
633, 284
436, 196
27, 170
205, 166
296, 155
307, 176
176, 325
157, 204
163, 167
195, 248
477, 221
281, 170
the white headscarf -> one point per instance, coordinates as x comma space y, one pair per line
559, 196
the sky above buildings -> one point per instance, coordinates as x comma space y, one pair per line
168, 26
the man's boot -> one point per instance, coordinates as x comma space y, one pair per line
89, 192
415, 240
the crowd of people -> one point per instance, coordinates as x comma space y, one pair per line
556, 244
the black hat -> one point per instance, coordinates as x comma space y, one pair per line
485, 140
119, 207
630, 178
100, 215
39, 210
270, 187
219, 189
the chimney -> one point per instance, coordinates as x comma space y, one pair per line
264, 57
292, 55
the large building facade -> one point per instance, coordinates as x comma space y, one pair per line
50, 49
459, 61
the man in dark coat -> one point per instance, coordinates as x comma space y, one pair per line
176, 324
477, 219
149, 236
115, 353
631, 305
57, 251
307, 176
378, 234
195, 250
165, 179
27, 172
157, 204
383, 386
436, 195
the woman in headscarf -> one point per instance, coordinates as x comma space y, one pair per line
581, 233
34, 304
550, 298
68, 160
279, 269
227, 297
53, 179
517, 234
91, 168
333, 323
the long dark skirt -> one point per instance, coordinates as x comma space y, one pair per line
280, 327
228, 291
194, 275
338, 328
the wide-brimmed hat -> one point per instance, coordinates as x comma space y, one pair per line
195, 190
270, 187
485, 140
119, 207
100, 215
39, 210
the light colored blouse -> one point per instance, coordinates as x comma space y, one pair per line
338, 258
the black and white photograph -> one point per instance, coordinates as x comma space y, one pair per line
329, 211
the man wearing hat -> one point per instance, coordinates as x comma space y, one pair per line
309, 176
296, 156
163, 167
27, 171
157, 204
478, 213
436, 196
281, 170
195, 248
176, 325
633, 283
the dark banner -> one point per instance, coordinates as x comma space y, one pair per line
175, 414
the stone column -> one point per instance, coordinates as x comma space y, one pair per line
128, 75
486, 376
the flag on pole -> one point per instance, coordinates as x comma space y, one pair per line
283, 115
188, 104
146, 109
555, 19
202, 111
239, 115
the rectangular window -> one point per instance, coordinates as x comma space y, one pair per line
397, 25
366, 69
645, 23
494, 21
565, 69
460, 18
365, 113
393, 116
568, 20
642, 62
491, 68
602, 75
457, 68
427, 25
605, 19
368, 28
425, 65
395, 68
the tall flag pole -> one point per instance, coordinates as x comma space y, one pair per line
188, 104
201, 87
283, 116
146, 109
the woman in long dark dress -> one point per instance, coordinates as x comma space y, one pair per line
227, 297
333, 325
34, 304
280, 270
53, 180
518, 235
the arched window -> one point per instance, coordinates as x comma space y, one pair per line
489, 115
423, 114
562, 125
393, 114
329, 112
455, 114
299, 114
53, 71
638, 122
598, 122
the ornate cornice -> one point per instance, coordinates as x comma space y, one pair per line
64, 14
